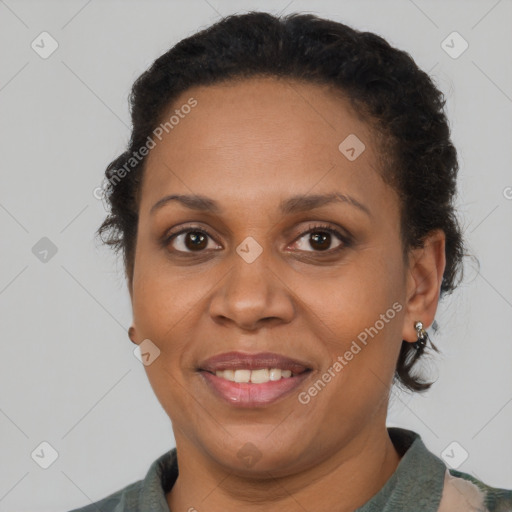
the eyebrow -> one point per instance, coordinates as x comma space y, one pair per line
294, 204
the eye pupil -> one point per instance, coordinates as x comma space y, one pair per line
321, 237
197, 238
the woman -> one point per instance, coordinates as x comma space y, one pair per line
285, 214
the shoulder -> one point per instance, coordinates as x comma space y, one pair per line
423, 477
463, 491
125, 500
146, 494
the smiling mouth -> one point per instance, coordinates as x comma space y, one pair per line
248, 394
244, 379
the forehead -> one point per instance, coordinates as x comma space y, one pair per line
265, 112
261, 135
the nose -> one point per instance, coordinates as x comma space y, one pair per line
253, 295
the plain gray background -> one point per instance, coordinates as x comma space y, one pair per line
68, 373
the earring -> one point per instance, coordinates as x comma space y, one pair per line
421, 342
131, 332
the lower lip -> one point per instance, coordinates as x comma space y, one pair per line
247, 394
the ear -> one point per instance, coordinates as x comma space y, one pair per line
424, 278
132, 335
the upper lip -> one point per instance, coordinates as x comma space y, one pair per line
244, 360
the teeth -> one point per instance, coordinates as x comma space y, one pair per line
255, 376
260, 376
228, 374
275, 374
242, 375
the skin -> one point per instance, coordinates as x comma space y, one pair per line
249, 145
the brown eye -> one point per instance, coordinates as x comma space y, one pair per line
195, 240
320, 239
189, 240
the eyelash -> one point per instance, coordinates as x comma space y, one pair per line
346, 241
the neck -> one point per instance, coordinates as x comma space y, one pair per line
342, 482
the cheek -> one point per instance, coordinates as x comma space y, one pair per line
163, 311
355, 294
358, 313
162, 297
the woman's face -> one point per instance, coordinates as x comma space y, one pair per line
258, 282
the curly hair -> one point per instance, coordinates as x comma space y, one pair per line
383, 84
